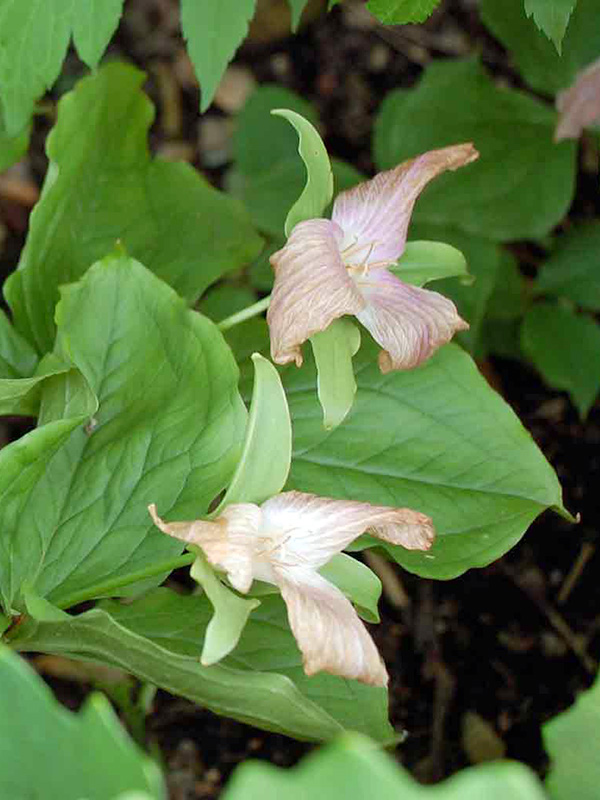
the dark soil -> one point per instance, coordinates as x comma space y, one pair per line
485, 658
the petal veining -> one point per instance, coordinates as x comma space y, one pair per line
312, 288
409, 323
327, 629
375, 215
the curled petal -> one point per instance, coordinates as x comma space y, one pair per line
409, 323
312, 288
579, 105
327, 628
319, 527
375, 214
227, 542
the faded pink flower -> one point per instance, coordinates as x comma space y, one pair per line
284, 542
579, 105
329, 268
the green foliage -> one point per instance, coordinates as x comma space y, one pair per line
168, 430
214, 29
17, 358
352, 767
296, 7
535, 56
571, 740
423, 262
399, 12
35, 38
102, 187
12, 147
158, 638
404, 444
565, 347
551, 17
522, 184
572, 269
333, 350
48, 752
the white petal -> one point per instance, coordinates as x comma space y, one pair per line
227, 542
316, 528
312, 288
409, 323
328, 631
375, 214
579, 105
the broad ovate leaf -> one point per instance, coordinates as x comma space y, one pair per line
436, 439
103, 187
168, 430
571, 271
318, 190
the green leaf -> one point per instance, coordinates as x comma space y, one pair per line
102, 187
12, 146
551, 17
318, 190
168, 430
571, 740
565, 347
17, 358
231, 612
522, 184
357, 582
572, 269
423, 262
333, 351
352, 767
21, 396
535, 56
214, 29
225, 300
437, 439
35, 38
157, 638
296, 7
265, 461
70, 752
401, 12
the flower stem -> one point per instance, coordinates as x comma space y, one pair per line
108, 586
246, 313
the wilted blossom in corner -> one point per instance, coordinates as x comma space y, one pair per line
284, 542
579, 105
329, 268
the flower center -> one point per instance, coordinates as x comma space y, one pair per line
356, 257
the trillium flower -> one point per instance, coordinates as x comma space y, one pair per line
329, 268
284, 542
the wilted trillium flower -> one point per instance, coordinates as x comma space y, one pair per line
284, 542
579, 105
330, 268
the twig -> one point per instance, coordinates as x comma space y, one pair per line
392, 585
585, 553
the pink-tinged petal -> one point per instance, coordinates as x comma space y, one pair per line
312, 288
227, 542
579, 105
375, 214
409, 323
328, 631
316, 528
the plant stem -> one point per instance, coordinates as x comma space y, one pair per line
108, 586
246, 313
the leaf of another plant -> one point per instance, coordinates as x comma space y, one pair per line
70, 751
572, 269
214, 29
437, 439
168, 430
35, 38
296, 7
102, 187
333, 351
522, 184
401, 12
565, 347
318, 190
551, 17
352, 766
535, 56
572, 744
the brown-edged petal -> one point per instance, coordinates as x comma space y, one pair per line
375, 214
312, 288
579, 105
409, 323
